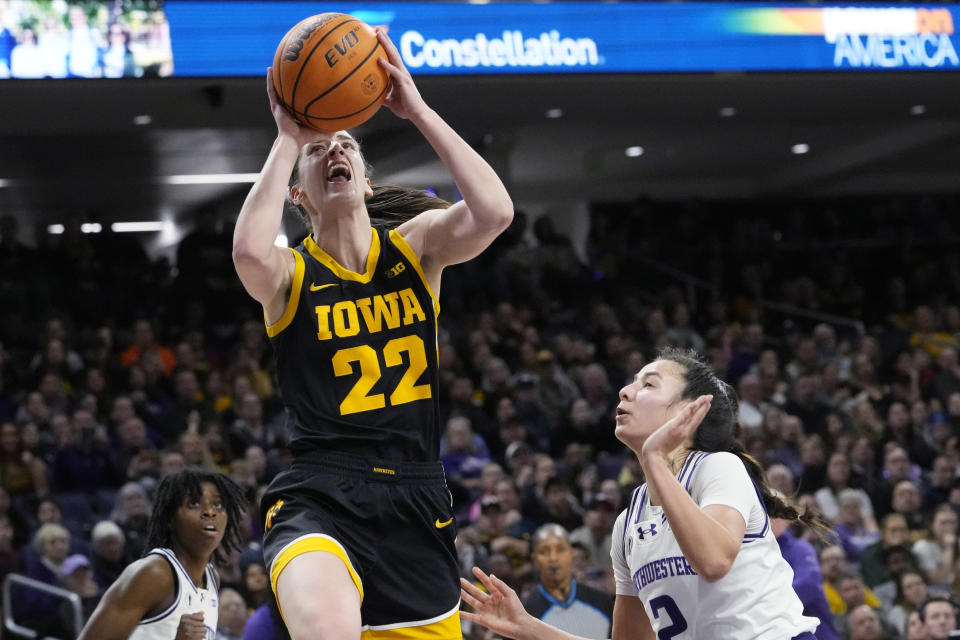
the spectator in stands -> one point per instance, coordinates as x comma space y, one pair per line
559, 600
912, 590
907, 502
807, 579
78, 578
937, 551
39, 610
896, 468
850, 527
132, 512
21, 474
107, 552
864, 624
939, 614
145, 345
838, 479
595, 533
10, 559
893, 531
232, 615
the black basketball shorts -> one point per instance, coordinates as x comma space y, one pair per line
392, 526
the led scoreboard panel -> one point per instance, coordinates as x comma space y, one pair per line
238, 38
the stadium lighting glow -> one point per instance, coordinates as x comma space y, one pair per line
554, 113
800, 148
210, 178
91, 227
134, 227
55, 229
728, 112
142, 120
634, 152
918, 110
5, 183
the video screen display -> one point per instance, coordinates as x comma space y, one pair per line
88, 39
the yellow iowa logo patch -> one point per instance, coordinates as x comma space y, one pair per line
272, 511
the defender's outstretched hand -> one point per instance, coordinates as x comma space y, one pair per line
499, 610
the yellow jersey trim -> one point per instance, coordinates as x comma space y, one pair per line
306, 544
443, 627
294, 301
401, 243
341, 272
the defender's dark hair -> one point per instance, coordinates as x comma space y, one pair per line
175, 489
719, 432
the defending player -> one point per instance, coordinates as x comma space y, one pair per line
693, 554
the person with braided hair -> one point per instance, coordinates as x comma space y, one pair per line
694, 553
171, 592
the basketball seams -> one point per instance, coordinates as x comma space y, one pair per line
344, 104
306, 60
375, 101
362, 64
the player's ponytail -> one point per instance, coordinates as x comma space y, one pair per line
720, 430
390, 206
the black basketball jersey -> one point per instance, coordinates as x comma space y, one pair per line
356, 354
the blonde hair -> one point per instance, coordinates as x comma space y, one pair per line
46, 533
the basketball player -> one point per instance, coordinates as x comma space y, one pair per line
171, 593
359, 532
693, 554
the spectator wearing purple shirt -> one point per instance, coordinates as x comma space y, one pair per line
807, 580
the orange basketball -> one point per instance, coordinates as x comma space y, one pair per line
326, 72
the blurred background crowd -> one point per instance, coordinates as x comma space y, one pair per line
837, 322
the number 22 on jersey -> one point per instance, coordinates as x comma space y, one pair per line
407, 390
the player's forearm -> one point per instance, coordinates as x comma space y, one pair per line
481, 187
706, 544
535, 629
262, 211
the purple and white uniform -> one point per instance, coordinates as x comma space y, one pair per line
755, 599
188, 599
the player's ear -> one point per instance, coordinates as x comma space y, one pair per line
368, 189
296, 194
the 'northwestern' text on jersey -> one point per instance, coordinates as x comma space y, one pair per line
356, 354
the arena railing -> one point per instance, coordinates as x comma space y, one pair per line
29, 583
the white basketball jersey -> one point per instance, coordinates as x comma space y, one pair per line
188, 599
755, 599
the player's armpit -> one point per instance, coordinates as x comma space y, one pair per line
144, 587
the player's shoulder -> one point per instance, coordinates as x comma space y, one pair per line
146, 582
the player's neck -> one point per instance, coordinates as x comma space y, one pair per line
194, 564
347, 240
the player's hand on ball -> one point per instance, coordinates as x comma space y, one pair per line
678, 429
191, 627
286, 125
499, 610
404, 98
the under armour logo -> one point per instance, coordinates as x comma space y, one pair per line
652, 531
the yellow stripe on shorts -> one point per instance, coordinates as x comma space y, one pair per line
306, 544
446, 627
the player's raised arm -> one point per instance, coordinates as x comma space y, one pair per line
461, 232
265, 269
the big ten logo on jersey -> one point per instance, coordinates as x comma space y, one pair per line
377, 313
395, 270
